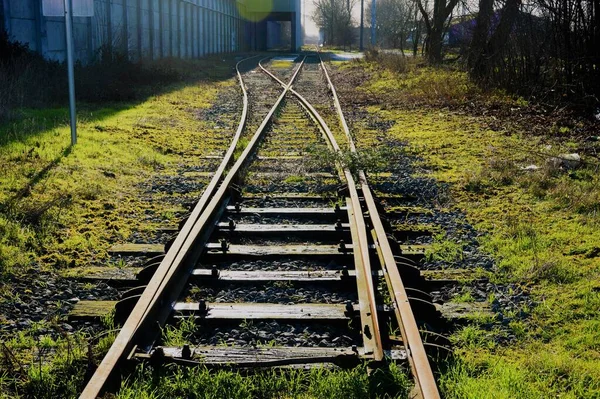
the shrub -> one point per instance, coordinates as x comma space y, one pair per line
29, 80
26, 79
395, 62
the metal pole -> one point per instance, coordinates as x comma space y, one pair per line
70, 69
362, 24
373, 23
332, 23
303, 21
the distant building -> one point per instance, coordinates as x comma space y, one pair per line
460, 32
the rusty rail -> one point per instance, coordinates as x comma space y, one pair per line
420, 366
370, 323
154, 305
156, 302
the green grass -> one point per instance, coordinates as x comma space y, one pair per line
444, 250
198, 382
540, 239
61, 208
89, 193
410, 83
281, 64
52, 368
180, 334
541, 227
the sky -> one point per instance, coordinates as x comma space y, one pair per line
310, 27
312, 30
308, 7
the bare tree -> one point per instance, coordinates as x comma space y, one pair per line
394, 22
334, 17
416, 32
531, 47
485, 53
435, 23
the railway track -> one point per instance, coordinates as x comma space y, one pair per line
279, 247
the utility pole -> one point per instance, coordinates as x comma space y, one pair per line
332, 22
362, 24
303, 21
373, 23
70, 68
64, 8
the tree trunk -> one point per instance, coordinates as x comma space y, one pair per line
481, 32
434, 45
436, 27
417, 35
492, 51
510, 11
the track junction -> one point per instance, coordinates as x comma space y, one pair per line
283, 209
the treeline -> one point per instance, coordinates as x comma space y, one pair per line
548, 48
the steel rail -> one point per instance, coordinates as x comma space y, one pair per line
420, 366
197, 228
371, 330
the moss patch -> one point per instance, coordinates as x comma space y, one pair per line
61, 208
62, 205
541, 227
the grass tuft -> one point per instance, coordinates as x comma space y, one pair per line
317, 383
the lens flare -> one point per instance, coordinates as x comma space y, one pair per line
255, 10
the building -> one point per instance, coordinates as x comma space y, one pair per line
151, 29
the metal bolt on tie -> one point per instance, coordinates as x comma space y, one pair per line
224, 245
338, 224
202, 306
349, 308
157, 357
186, 352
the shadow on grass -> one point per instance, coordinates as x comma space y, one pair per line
36, 178
101, 97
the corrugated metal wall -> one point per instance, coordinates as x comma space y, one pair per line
146, 29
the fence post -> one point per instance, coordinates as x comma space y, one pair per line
125, 30
109, 39
70, 68
161, 49
139, 28
178, 16
151, 26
